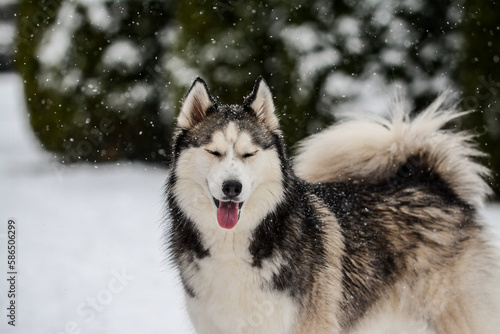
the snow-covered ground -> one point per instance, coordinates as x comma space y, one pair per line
89, 239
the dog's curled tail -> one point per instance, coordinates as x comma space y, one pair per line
372, 149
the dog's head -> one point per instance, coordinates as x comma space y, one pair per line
228, 158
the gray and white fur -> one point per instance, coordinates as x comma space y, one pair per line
373, 229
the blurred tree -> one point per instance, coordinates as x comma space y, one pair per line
320, 56
7, 34
480, 77
231, 43
96, 73
93, 77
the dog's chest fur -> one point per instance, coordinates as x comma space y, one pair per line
231, 295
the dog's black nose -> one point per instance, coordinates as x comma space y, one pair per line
231, 188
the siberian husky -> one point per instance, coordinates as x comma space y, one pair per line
372, 228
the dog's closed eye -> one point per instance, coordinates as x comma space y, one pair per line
215, 153
248, 155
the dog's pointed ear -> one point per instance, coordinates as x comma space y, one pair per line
196, 105
261, 101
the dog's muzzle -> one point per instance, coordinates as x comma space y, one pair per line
228, 210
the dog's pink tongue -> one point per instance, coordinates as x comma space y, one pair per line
227, 214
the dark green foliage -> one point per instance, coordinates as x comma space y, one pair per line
480, 78
101, 97
319, 56
231, 43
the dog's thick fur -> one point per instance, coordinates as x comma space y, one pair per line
375, 229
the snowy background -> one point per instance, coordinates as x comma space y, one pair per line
89, 238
